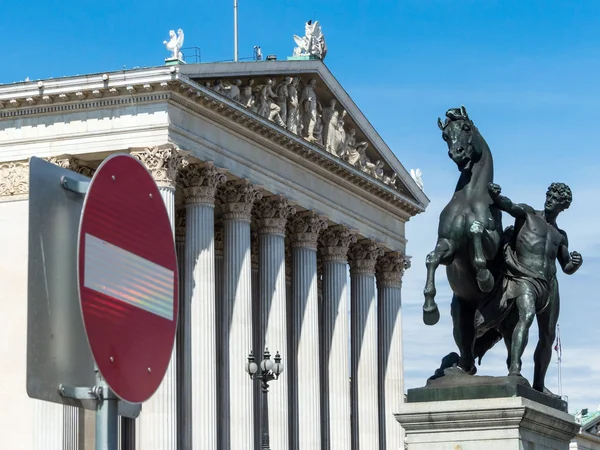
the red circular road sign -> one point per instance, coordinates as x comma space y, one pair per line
127, 268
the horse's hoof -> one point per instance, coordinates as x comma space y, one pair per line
431, 316
485, 280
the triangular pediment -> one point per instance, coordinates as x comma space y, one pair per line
339, 127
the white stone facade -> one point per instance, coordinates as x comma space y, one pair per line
215, 160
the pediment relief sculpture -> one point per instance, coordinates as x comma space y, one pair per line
299, 105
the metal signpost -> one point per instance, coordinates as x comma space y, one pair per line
112, 280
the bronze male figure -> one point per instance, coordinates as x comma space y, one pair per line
530, 280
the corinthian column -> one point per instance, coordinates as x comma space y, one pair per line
303, 370
365, 430
335, 406
199, 182
272, 214
390, 269
236, 201
158, 420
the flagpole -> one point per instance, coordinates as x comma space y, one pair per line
558, 349
235, 30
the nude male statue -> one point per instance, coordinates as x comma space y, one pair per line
530, 274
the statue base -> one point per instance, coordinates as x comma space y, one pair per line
173, 62
459, 386
473, 412
302, 57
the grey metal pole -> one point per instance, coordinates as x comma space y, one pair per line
107, 416
235, 30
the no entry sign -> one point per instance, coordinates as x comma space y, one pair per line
127, 276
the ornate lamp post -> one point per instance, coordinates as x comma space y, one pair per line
269, 371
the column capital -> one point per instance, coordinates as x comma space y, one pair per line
304, 229
363, 256
199, 183
391, 267
162, 162
334, 243
272, 214
236, 199
84, 168
180, 214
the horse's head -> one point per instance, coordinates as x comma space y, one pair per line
462, 138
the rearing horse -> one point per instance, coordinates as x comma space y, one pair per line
469, 235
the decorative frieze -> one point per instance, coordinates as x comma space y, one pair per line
199, 183
390, 269
237, 198
335, 242
363, 256
272, 214
14, 178
278, 102
304, 229
162, 162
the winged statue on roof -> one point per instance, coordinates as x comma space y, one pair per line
175, 43
313, 41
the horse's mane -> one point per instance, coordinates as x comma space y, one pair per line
454, 114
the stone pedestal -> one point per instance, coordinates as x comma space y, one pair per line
509, 423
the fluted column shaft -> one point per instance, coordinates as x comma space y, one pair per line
158, 420
304, 344
236, 202
48, 425
390, 269
365, 430
199, 183
272, 214
335, 406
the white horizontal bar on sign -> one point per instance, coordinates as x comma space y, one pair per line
118, 273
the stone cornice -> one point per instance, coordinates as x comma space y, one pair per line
363, 256
390, 269
199, 183
334, 243
199, 98
109, 90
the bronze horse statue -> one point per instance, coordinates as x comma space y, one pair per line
469, 239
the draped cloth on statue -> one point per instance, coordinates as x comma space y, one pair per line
517, 280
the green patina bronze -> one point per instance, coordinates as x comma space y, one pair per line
501, 279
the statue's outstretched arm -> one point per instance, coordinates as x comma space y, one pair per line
517, 210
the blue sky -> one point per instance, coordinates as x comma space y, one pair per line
526, 71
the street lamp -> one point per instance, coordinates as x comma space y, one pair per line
268, 371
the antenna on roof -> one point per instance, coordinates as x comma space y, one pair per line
235, 30
257, 53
